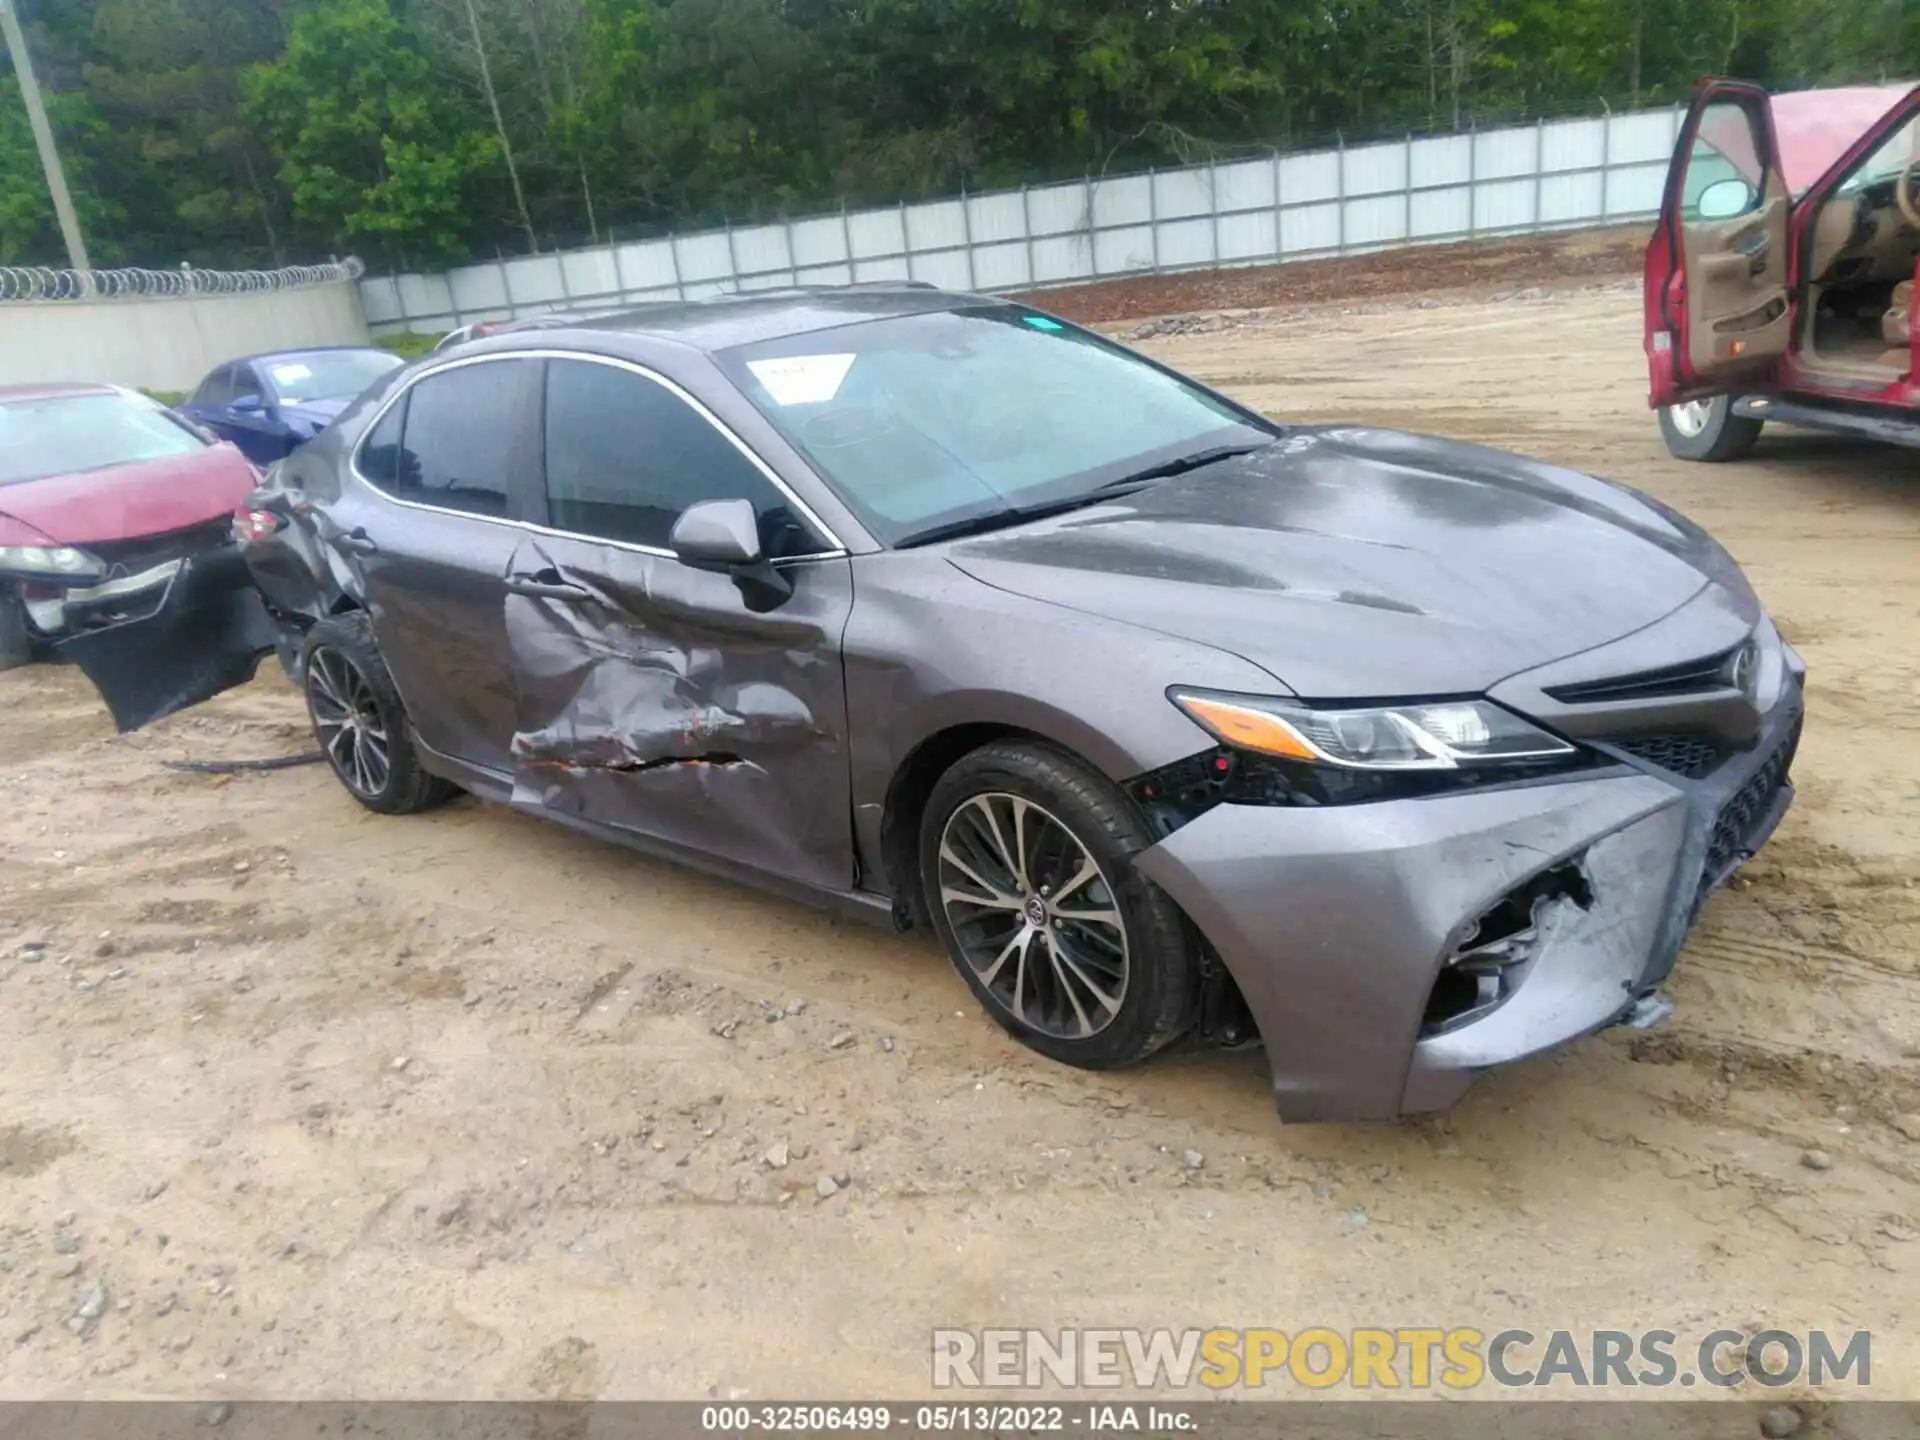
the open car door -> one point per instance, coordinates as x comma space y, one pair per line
1716, 268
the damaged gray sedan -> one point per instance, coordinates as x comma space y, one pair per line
1407, 758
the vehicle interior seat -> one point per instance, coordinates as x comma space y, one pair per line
1897, 324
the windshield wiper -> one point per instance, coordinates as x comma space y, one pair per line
1180, 465
1123, 485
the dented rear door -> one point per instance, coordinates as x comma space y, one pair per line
651, 698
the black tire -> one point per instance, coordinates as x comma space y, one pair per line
1154, 999
357, 714
1721, 434
16, 640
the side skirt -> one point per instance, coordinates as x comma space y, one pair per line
497, 788
1886, 428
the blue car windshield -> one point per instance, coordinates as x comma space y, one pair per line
325, 374
922, 421
70, 434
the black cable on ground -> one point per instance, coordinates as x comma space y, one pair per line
235, 767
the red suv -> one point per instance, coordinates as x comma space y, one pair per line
1780, 278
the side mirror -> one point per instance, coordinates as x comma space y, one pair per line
724, 536
248, 404
1725, 199
717, 535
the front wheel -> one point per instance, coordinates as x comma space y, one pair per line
1027, 860
1708, 430
359, 721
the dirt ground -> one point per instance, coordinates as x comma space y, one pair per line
464, 1105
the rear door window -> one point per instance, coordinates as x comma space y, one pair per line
463, 439
625, 456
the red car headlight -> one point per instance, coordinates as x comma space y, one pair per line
58, 564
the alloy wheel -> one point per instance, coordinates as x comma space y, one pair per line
346, 717
1033, 915
1691, 418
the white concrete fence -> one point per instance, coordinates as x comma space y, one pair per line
165, 329
1551, 175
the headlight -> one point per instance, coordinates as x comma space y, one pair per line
1448, 735
50, 562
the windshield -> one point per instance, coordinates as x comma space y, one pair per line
1895, 154
922, 421
326, 374
67, 434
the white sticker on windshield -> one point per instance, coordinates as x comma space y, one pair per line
290, 373
802, 379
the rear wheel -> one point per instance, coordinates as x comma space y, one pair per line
1708, 430
1027, 859
16, 640
359, 721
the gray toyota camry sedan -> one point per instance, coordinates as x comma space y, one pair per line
1406, 758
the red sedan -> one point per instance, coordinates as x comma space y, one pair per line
115, 516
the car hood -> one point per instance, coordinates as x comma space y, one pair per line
1359, 563
122, 502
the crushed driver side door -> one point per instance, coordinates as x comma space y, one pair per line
1715, 283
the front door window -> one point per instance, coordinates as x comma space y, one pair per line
625, 456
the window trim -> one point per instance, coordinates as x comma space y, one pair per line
836, 547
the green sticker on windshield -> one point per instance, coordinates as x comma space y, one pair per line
1041, 322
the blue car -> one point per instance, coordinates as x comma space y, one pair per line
269, 404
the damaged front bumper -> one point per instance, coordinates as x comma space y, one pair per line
1341, 924
156, 648
58, 613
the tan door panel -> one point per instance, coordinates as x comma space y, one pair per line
1737, 286
1832, 232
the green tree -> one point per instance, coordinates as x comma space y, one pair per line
372, 151
28, 232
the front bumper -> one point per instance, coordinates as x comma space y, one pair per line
83, 607
1337, 922
203, 631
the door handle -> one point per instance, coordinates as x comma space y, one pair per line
1755, 248
546, 585
354, 542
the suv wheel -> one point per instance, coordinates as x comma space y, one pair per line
1708, 430
1027, 860
359, 721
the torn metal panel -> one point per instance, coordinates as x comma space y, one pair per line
1335, 920
651, 699
1586, 961
205, 634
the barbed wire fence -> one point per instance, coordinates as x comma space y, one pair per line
36, 282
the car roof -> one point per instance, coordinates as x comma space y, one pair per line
54, 390
1816, 127
725, 321
299, 350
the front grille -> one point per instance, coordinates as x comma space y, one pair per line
1690, 677
1693, 756
1734, 826
132, 557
